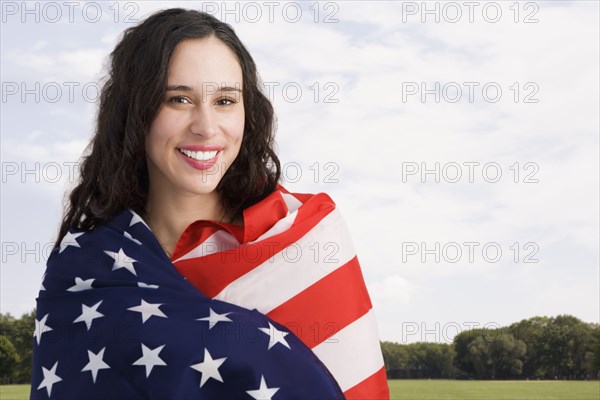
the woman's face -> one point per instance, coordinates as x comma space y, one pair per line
197, 132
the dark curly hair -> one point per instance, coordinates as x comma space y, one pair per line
114, 174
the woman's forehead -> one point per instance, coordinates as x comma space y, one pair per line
204, 63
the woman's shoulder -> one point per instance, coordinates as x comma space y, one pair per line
113, 239
316, 208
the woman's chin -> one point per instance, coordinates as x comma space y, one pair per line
200, 185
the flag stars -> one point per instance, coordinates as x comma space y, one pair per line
40, 328
209, 368
263, 392
81, 285
96, 363
128, 236
135, 218
50, 378
148, 310
214, 318
70, 239
88, 314
147, 286
122, 260
150, 358
275, 336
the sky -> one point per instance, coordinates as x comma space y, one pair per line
460, 141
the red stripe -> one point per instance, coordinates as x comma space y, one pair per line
338, 299
374, 387
212, 273
327, 306
197, 232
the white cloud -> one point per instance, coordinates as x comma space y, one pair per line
371, 131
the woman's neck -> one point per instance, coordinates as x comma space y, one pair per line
169, 214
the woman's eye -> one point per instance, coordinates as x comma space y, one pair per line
225, 101
179, 99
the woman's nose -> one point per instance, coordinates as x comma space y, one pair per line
203, 121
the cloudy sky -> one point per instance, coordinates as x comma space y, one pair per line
460, 141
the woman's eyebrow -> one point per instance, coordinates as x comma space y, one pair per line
212, 87
181, 88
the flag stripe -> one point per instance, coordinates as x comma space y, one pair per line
231, 265
216, 242
170, 341
339, 353
329, 301
238, 261
373, 388
294, 269
294, 260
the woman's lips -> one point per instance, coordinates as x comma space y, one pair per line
200, 159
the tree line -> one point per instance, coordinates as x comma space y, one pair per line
561, 347
16, 347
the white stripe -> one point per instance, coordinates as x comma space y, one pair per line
221, 240
281, 226
293, 269
284, 223
291, 202
353, 354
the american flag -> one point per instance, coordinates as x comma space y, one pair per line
116, 320
293, 260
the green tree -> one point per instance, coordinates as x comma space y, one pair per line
392, 359
530, 331
594, 372
507, 355
432, 360
20, 333
496, 355
478, 357
563, 347
418, 360
463, 361
9, 358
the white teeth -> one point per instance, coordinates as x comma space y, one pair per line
199, 155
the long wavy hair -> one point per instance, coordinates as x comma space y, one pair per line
114, 173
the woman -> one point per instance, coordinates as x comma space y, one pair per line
182, 269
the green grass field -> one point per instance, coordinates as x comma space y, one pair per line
494, 390
14, 392
448, 390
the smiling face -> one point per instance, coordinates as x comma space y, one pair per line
197, 132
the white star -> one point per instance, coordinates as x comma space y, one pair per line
263, 392
209, 368
88, 314
70, 240
136, 218
150, 358
148, 310
128, 236
81, 285
275, 336
40, 328
213, 318
147, 286
122, 260
96, 363
50, 378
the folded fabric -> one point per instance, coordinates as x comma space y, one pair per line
293, 260
116, 320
